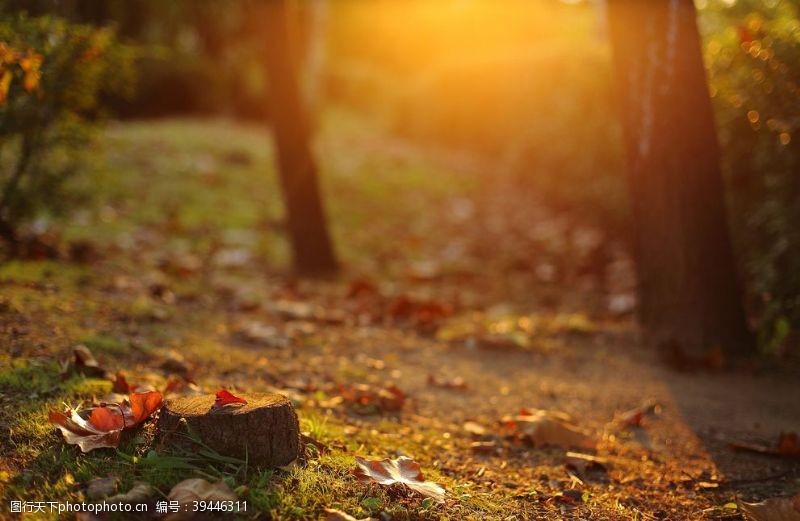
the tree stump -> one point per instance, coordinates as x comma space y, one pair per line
265, 430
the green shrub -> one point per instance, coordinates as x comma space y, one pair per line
752, 50
53, 76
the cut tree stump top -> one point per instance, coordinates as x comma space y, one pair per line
265, 430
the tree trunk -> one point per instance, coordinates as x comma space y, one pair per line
689, 295
311, 243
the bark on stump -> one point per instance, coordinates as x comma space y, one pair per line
265, 430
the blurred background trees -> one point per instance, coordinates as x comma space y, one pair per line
524, 86
52, 77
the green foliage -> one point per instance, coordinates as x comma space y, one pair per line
752, 49
54, 75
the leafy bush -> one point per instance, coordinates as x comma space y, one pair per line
752, 49
52, 78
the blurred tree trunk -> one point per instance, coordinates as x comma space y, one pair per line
311, 243
689, 295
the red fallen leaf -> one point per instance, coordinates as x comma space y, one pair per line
392, 398
173, 385
78, 431
361, 288
107, 418
424, 314
789, 444
402, 470
121, 384
140, 406
225, 398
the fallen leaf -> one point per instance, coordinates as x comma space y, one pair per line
121, 384
483, 447
334, 514
78, 431
318, 447
774, 509
198, 489
102, 487
175, 363
140, 406
226, 398
454, 383
543, 428
293, 310
140, 493
261, 334
569, 497
634, 417
788, 446
392, 398
83, 362
361, 288
107, 418
368, 400
474, 428
402, 470
584, 463
105, 423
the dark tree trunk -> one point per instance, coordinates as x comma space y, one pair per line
689, 295
311, 243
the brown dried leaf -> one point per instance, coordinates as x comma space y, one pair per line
634, 417
583, 463
788, 446
543, 428
83, 362
368, 400
474, 428
774, 509
402, 470
198, 489
102, 487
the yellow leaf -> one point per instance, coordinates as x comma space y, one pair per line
31, 80
5, 84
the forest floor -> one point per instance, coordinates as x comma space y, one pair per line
459, 289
